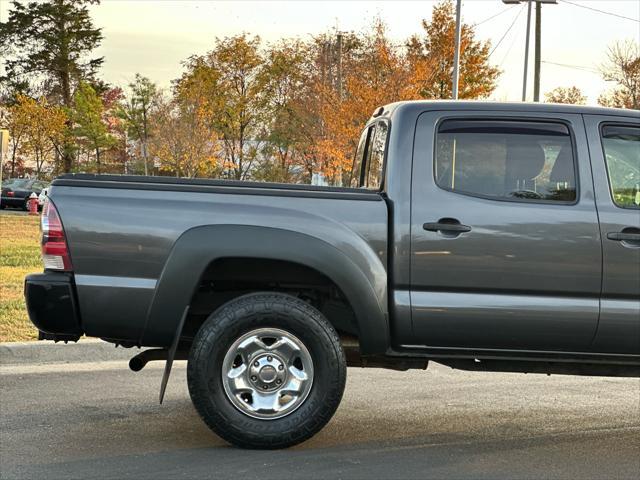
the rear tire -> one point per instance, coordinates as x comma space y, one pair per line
257, 394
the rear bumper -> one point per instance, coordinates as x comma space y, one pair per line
12, 201
52, 306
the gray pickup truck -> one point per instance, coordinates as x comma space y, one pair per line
482, 236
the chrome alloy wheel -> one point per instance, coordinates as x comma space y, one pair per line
267, 373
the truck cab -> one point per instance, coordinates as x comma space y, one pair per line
519, 230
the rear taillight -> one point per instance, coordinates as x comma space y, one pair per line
55, 253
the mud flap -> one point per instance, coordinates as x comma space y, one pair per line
171, 354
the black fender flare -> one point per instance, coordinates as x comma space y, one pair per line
198, 247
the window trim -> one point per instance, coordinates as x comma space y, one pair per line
601, 128
572, 139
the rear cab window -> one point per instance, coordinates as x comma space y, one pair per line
506, 160
370, 157
621, 145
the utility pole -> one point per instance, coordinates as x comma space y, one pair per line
536, 80
526, 53
329, 63
536, 74
339, 65
456, 53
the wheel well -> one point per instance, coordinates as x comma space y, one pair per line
228, 278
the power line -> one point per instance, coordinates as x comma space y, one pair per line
513, 42
604, 12
574, 67
493, 16
508, 30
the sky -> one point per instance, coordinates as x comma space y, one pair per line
153, 37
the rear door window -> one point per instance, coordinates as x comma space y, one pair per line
506, 160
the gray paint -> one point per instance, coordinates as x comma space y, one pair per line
527, 276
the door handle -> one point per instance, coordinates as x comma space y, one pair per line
449, 225
624, 237
629, 237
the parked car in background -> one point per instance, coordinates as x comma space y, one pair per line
16, 191
42, 197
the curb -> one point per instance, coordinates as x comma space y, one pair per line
45, 352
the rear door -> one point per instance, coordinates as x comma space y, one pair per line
505, 245
615, 153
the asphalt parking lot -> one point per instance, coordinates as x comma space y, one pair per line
100, 420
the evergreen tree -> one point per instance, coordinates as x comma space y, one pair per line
136, 113
46, 46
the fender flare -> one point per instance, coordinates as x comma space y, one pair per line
198, 247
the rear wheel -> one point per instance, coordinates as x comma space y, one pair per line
266, 370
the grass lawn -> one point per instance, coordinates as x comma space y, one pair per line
19, 255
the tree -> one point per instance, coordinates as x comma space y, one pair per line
478, 79
88, 118
46, 46
17, 123
136, 112
182, 141
375, 74
36, 129
571, 95
225, 81
112, 99
46, 126
616, 98
284, 88
623, 67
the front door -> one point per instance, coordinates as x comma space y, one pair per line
615, 153
505, 244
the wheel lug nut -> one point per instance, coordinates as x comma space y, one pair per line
269, 358
256, 363
254, 378
265, 387
280, 367
278, 381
